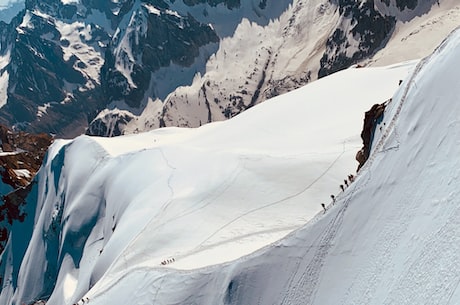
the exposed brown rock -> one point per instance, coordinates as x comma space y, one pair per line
22, 153
371, 119
21, 157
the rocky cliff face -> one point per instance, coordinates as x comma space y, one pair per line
155, 37
63, 63
97, 66
311, 39
371, 119
361, 31
20, 159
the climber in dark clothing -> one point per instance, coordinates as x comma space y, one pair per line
351, 178
324, 207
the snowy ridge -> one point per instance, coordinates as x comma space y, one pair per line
140, 200
392, 237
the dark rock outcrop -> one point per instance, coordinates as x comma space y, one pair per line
403, 4
361, 26
371, 119
20, 159
64, 63
23, 152
152, 41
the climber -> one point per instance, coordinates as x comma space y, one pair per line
324, 207
333, 199
351, 178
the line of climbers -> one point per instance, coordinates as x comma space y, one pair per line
346, 182
168, 261
83, 301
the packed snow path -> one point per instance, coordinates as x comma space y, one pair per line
304, 289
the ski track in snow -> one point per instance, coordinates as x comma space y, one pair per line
220, 190
440, 254
319, 257
301, 288
278, 201
171, 189
368, 278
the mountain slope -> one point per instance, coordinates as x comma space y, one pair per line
392, 237
62, 62
310, 39
199, 196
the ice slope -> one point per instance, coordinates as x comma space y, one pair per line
204, 196
393, 237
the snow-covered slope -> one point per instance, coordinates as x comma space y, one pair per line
310, 39
418, 32
108, 209
392, 237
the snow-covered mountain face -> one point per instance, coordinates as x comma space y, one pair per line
9, 11
63, 63
105, 209
310, 39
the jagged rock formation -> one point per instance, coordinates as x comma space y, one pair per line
362, 30
21, 152
60, 64
402, 4
228, 3
20, 159
371, 119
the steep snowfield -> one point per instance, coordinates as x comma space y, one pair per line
108, 208
419, 36
393, 237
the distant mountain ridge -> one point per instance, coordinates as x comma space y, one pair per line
106, 67
310, 39
62, 63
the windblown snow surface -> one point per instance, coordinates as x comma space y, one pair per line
110, 211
